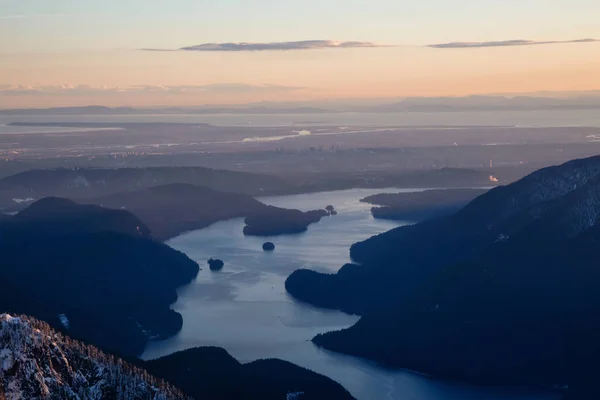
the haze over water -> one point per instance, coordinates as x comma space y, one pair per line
539, 118
246, 310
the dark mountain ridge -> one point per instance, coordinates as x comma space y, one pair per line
97, 267
91, 182
502, 292
488, 103
170, 210
53, 216
418, 206
211, 373
404, 255
101, 110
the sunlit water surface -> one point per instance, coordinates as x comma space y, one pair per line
245, 309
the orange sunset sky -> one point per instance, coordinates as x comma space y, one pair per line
68, 53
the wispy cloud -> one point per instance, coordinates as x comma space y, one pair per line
85, 90
504, 43
274, 46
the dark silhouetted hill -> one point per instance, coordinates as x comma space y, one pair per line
211, 373
88, 183
407, 256
277, 221
170, 210
98, 267
418, 206
504, 291
55, 217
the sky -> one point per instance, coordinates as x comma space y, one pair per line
193, 52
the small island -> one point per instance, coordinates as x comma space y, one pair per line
278, 221
268, 246
215, 264
418, 206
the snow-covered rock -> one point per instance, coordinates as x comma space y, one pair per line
38, 363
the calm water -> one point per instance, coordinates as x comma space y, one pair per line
483, 118
245, 308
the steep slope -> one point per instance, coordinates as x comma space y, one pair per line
37, 362
397, 264
519, 305
97, 267
518, 315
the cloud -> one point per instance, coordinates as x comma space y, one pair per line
85, 90
242, 87
504, 43
274, 46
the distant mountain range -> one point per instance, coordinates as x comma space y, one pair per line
100, 110
486, 103
411, 104
505, 291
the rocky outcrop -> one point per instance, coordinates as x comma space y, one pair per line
215, 264
268, 246
37, 362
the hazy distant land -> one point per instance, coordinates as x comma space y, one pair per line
577, 101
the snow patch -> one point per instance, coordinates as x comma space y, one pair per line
37, 362
25, 200
64, 320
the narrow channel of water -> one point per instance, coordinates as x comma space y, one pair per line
245, 309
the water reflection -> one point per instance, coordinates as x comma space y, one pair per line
245, 309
